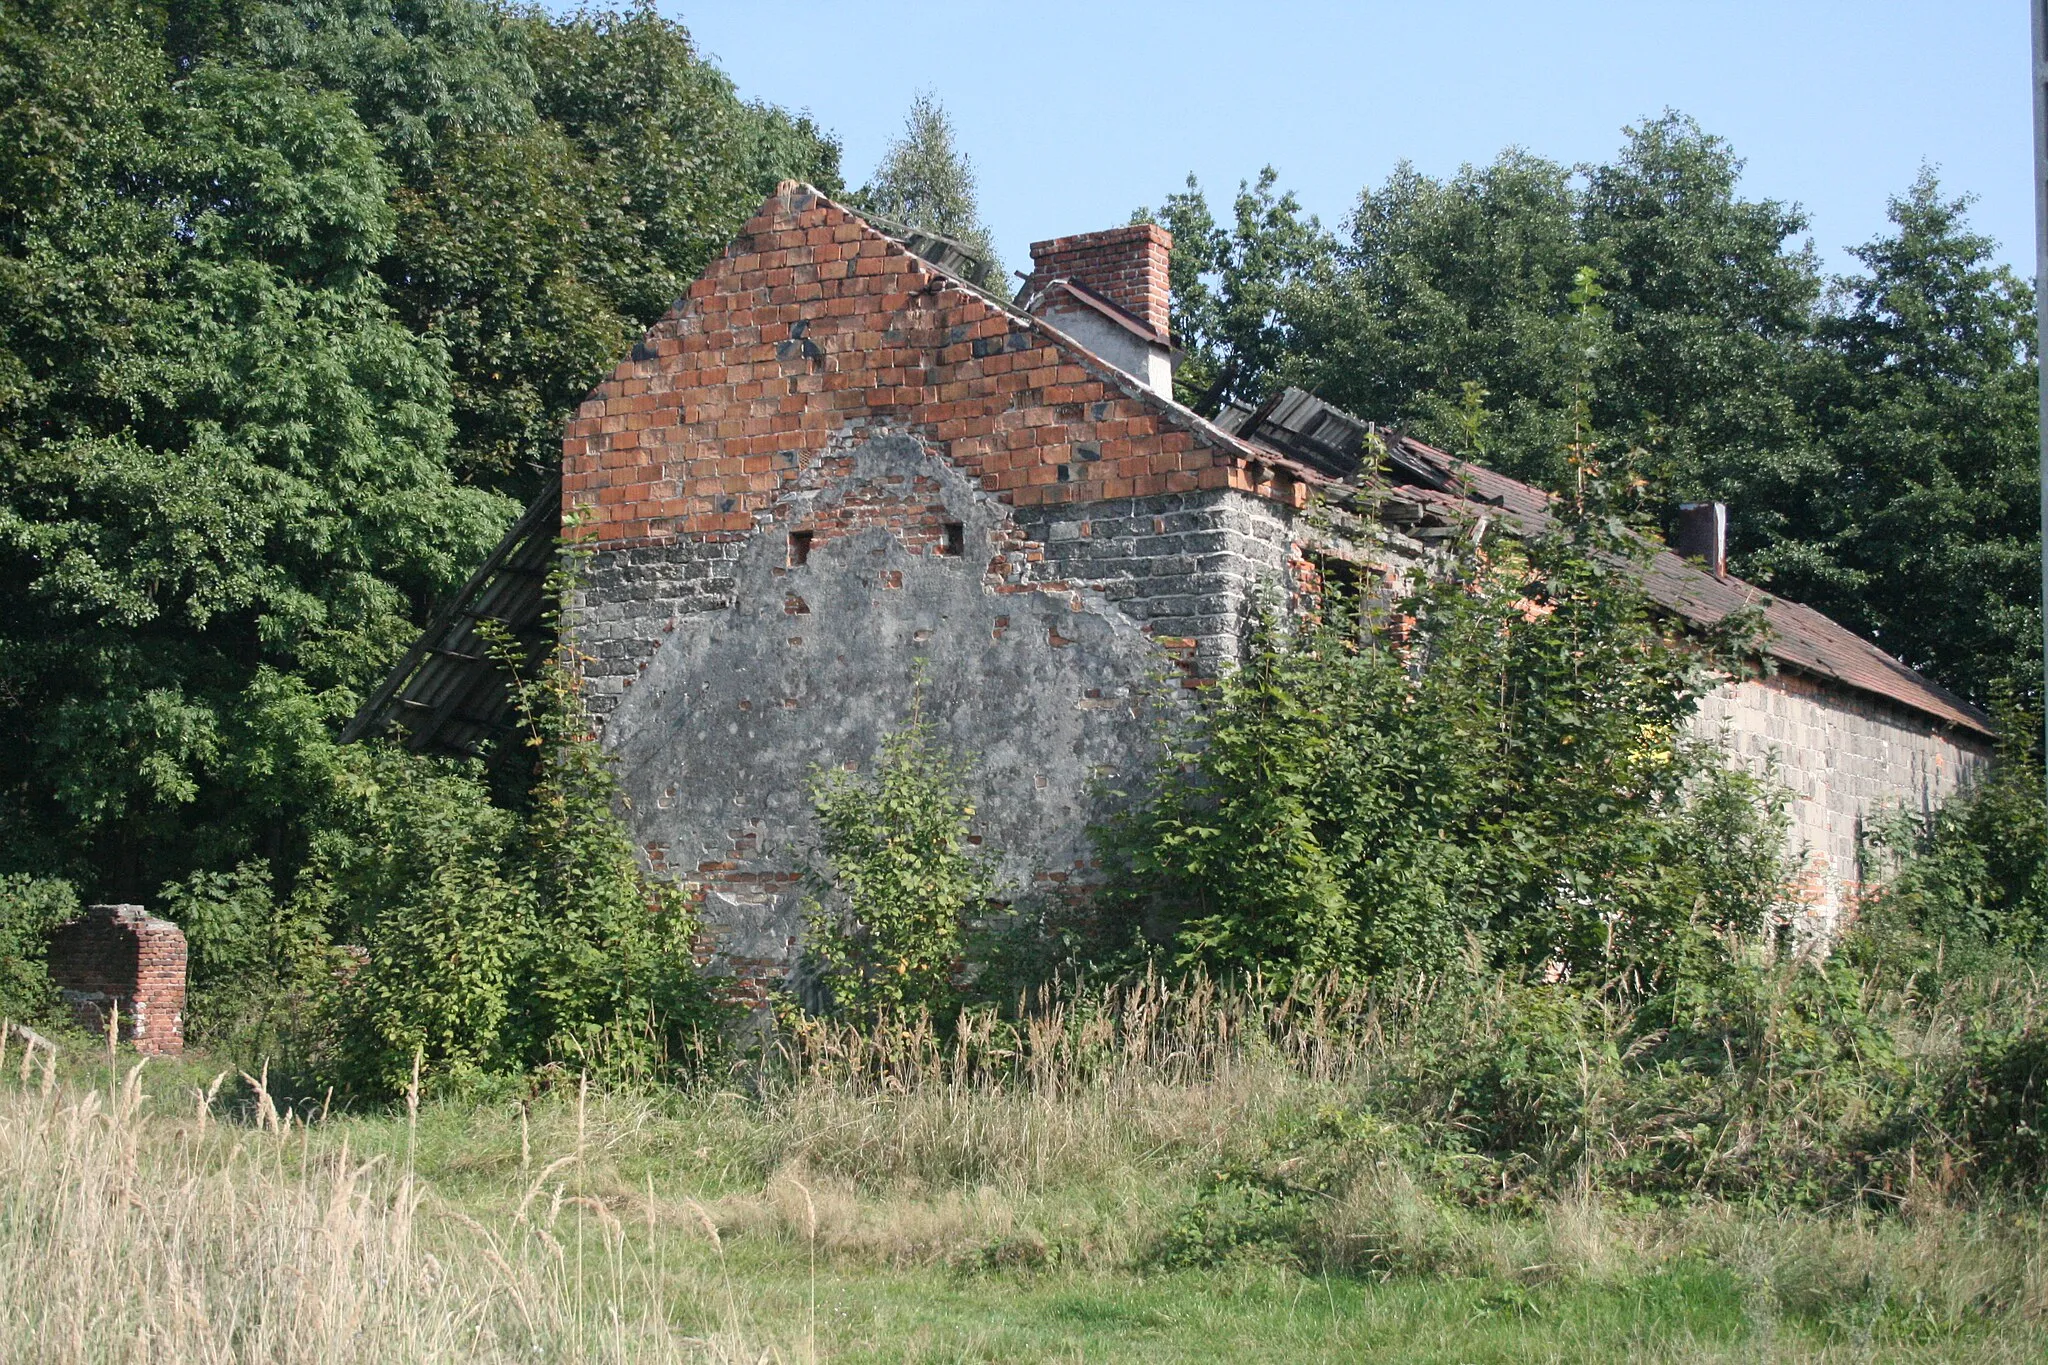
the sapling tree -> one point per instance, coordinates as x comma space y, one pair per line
903, 876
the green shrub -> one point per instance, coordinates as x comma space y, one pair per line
249, 959
30, 907
1503, 760
410, 871
1972, 875
492, 937
1992, 1110
888, 922
1237, 1214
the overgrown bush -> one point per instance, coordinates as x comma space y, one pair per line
1503, 760
410, 871
492, 936
1972, 875
249, 959
30, 907
887, 923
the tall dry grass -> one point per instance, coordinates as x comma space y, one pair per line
1152, 1128
131, 1236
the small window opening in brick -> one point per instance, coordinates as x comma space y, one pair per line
1339, 577
956, 539
799, 547
1341, 589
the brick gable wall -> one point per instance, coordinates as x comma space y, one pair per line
813, 322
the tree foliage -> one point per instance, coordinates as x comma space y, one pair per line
1922, 392
925, 181
292, 298
1873, 438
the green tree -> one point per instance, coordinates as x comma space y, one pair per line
1874, 443
903, 878
224, 477
1236, 289
925, 181
292, 299
1926, 535
1707, 301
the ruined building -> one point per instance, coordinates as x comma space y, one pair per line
835, 458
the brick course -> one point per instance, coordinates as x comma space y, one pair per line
813, 323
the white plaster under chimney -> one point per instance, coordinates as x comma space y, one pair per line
1109, 291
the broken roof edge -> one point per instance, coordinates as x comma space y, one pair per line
443, 672
1800, 638
1088, 298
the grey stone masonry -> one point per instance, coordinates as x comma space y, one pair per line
631, 598
1045, 644
1190, 566
1846, 759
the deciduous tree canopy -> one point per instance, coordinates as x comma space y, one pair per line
292, 299
1874, 435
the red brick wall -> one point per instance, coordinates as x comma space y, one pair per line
118, 956
1126, 265
814, 324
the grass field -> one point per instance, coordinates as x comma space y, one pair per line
878, 1210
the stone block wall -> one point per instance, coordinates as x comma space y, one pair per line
1845, 757
120, 957
1047, 642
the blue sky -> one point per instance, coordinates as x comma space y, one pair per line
1075, 113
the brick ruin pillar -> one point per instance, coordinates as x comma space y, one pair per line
120, 955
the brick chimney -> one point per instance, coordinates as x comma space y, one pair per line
1702, 534
1109, 291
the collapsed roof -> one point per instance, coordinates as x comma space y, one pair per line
1301, 427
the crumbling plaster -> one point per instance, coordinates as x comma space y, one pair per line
1048, 652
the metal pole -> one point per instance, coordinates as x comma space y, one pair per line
2038, 67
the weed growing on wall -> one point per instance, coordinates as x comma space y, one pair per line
887, 925
1502, 762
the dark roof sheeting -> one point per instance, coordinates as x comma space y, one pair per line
448, 694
